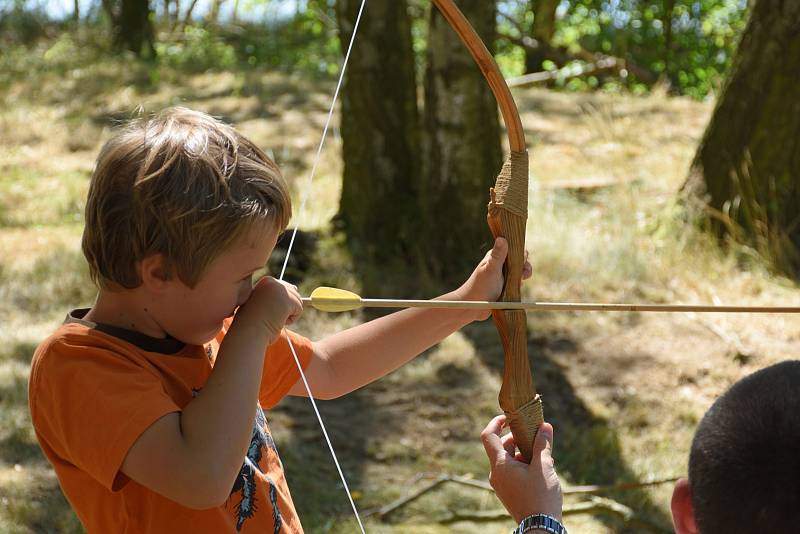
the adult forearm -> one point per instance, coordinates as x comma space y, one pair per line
364, 353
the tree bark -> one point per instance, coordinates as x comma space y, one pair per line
666, 23
187, 19
544, 27
132, 27
213, 14
379, 208
462, 146
747, 166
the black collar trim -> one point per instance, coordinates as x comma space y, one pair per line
167, 345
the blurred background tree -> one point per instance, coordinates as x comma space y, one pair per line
745, 173
413, 98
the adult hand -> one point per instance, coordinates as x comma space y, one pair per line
523, 489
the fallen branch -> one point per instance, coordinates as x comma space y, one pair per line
383, 511
562, 56
575, 490
387, 509
595, 505
565, 73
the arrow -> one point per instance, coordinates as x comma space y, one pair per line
331, 299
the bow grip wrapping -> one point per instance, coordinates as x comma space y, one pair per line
507, 217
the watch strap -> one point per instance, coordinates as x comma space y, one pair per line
544, 522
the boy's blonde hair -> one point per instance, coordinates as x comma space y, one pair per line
181, 184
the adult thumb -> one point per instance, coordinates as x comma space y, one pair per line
543, 441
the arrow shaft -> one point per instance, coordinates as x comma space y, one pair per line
563, 306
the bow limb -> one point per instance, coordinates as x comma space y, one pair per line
507, 217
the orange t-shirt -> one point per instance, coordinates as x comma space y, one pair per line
95, 388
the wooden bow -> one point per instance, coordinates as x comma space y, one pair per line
508, 213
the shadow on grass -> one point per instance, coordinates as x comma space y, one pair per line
588, 450
313, 479
31, 496
368, 426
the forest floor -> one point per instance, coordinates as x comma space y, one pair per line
624, 391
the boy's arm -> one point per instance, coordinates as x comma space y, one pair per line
193, 456
355, 357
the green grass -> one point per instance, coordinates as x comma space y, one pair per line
27, 198
623, 391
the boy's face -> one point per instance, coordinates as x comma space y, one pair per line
195, 315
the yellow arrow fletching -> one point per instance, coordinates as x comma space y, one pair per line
331, 299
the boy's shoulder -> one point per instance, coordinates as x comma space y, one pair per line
73, 335
80, 346
69, 336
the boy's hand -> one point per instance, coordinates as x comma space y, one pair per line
486, 281
272, 305
523, 489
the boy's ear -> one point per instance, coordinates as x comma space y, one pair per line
682, 511
153, 271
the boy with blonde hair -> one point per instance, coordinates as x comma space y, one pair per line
149, 404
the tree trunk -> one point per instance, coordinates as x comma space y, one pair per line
379, 207
463, 146
187, 19
131, 26
544, 27
666, 23
213, 14
747, 167
76, 12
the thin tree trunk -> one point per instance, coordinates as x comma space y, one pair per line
544, 28
132, 28
176, 16
76, 12
379, 207
188, 18
213, 15
463, 146
747, 167
666, 23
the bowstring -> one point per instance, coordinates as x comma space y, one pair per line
306, 194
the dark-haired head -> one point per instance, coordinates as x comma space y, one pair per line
744, 466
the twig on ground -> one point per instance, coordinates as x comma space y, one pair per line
593, 505
438, 479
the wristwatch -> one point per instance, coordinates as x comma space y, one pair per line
545, 522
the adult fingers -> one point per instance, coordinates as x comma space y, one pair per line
543, 444
509, 445
491, 438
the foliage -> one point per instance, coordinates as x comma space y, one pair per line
197, 50
22, 24
691, 46
306, 42
688, 43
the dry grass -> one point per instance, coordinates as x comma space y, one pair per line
624, 391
